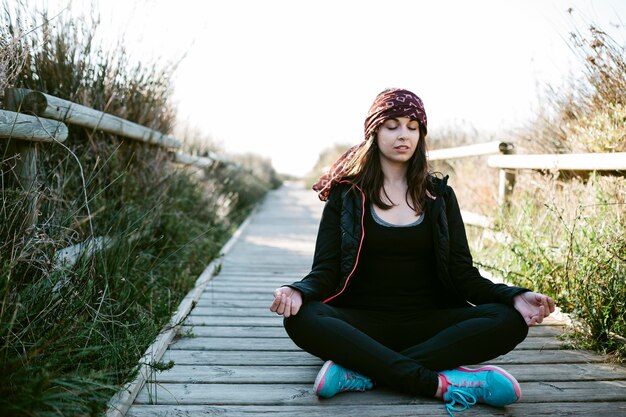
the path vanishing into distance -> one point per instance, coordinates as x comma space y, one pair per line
233, 358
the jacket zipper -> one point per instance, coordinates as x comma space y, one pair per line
358, 253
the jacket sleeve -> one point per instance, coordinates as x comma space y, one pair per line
323, 280
464, 275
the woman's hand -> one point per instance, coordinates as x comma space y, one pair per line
287, 301
534, 307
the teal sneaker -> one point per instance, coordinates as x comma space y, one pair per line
464, 387
333, 379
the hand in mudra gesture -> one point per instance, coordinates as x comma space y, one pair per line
533, 307
287, 301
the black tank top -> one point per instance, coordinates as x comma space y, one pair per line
396, 270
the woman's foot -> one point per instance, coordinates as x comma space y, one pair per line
333, 379
463, 387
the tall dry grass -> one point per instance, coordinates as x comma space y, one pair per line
567, 229
71, 334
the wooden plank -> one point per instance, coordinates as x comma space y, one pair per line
235, 343
234, 295
234, 331
234, 357
268, 319
279, 331
477, 149
68, 256
198, 161
577, 162
306, 374
266, 286
216, 303
285, 344
234, 311
269, 282
249, 274
51, 107
302, 394
325, 409
36, 129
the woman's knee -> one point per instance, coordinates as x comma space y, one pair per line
513, 323
303, 319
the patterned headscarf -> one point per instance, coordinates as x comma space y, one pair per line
389, 104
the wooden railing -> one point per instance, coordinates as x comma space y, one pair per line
31, 118
479, 149
508, 163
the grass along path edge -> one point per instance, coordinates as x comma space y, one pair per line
120, 402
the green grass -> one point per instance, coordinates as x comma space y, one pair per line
571, 246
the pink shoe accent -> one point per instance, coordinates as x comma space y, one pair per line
319, 381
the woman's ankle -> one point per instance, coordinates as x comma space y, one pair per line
440, 385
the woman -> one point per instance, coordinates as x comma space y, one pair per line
393, 296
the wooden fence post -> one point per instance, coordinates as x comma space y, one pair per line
507, 176
26, 165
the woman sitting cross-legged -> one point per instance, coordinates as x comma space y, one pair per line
393, 297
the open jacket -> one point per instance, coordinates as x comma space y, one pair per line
340, 237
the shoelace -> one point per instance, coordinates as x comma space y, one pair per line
353, 382
461, 398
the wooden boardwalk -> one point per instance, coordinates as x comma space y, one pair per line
233, 357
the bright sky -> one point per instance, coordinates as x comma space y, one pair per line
288, 78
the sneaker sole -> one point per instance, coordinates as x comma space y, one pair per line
319, 380
516, 386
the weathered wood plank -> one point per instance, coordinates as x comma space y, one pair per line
306, 374
234, 311
220, 295
274, 320
302, 394
252, 331
323, 409
578, 162
58, 109
228, 273
232, 357
234, 331
265, 286
25, 127
285, 344
216, 303
256, 284
477, 149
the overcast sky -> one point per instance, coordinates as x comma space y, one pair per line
288, 78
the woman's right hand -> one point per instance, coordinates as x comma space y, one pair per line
287, 301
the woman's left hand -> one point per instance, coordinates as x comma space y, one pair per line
534, 307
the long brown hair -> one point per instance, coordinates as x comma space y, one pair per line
366, 172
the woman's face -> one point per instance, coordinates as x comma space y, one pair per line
397, 139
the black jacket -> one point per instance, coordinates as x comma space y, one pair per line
340, 237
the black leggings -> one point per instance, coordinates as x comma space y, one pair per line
404, 350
